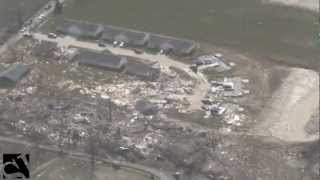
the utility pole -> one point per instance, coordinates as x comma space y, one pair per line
19, 15
110, 109
92, 151
108, 98
58, 7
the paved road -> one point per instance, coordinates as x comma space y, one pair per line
73, 154
200, 90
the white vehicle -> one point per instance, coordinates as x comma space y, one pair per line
41, 16
52, 35
23, 29
218, 55
121, 44
27, 34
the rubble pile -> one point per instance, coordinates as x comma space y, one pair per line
229, 87
211, 63
222, 91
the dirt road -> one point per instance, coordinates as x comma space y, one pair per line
202, 85
291, 107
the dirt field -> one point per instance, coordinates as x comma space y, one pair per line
292, 106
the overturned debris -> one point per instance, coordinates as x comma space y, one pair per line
45, 49
145, 107
211, 62
12, 75
105, 61
230, 87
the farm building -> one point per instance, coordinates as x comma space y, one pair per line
104, 61
78, 29
171, 45
129, 37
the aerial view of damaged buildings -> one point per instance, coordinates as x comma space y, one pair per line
143, 75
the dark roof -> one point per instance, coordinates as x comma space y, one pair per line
122, 38
136, 38
166, 43
109, 33
142, 70
108, 61
2, 68
131, 37
78, 29
13, 74
3, 35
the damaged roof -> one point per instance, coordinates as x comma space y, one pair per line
13, 74
106, 61
79, 29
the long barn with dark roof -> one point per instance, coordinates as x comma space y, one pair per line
131, 38
171, 45
79, 29
128, 36
105, 61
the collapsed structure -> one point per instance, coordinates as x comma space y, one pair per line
131, 38
45, 49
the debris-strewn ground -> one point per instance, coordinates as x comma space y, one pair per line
70, 106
